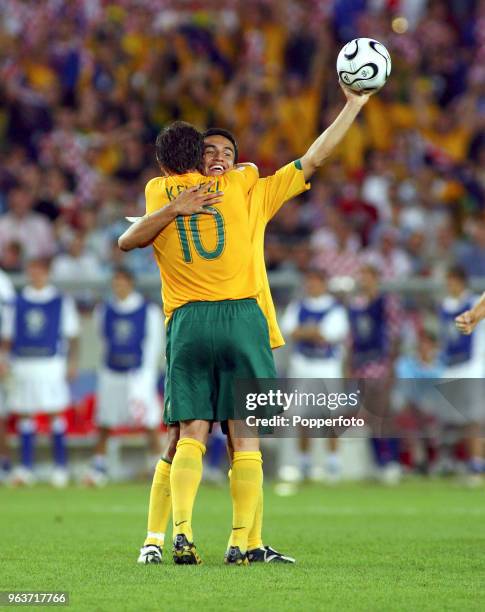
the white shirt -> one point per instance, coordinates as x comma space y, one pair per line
334, 326
33, 232
153, 342
67, 267
7, 291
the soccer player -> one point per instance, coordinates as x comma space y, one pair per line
40, 332
318, 326
132, 332
463, 356
374, 324
219, 157
7, 296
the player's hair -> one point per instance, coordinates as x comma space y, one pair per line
225, 134
179, 147
122, 271
458, 272
42, 262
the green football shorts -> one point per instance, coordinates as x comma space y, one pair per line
209, 346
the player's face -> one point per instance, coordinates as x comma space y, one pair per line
454, 285
38, 275
122, 286
315, 285
218, 155
427, 349
368, 281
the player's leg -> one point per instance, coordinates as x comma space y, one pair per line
26, 429
22, 400
333, 463
214, 459
257, 551
190, 381
5, 461
112, 411
246, 483
153, 445
97, 474
185, 477
476, 464
243, 351
160, 505
304, 454
58, 428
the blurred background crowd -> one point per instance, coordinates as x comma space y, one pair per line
85, 85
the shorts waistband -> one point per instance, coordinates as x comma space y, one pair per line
217, 303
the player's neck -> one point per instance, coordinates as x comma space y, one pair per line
168, 173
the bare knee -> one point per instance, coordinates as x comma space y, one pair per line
245, 444
173, 435
239, 441
195, 429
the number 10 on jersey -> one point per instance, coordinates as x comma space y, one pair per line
190, 236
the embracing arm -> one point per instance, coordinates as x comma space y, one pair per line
326, 143
191, 201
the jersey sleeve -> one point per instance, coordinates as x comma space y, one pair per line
71, 325
154, 196
335, 326
153, 346
275, 190
247, 175
7, 291
8, 321
289, 320
98, 317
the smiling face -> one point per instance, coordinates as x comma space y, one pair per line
219, 155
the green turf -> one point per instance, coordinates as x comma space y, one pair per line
420, 546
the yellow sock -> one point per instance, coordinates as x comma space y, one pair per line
160, 504
185, 478
246, 485
255, 538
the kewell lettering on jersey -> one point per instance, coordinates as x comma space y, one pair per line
368, 327
173, 191
37, 328
124, 334
314, 350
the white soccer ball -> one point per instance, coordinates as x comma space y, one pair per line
364, 64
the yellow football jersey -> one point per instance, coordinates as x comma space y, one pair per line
266, 198
205, 257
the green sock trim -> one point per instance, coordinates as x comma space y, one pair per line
298, 165
166, 460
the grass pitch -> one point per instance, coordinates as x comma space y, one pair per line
420, 546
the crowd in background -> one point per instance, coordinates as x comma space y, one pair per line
85, 85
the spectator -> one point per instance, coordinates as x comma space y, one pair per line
472, 258
388, 257
77, 263
29, 229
